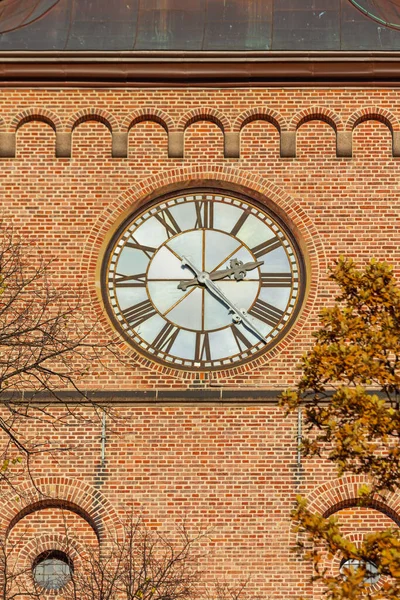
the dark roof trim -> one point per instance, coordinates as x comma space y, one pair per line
195, 395
188, 69
120, 397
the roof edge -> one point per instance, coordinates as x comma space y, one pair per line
187, 69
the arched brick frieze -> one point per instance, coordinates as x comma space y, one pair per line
232, 180
3, 125
7, 141
139, 116
90, 114
63, 493
204, 114
315, 113
8, 138
373, 114
260, 113
376, 114
148, 114
36, 114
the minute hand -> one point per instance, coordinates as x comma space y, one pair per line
215, 290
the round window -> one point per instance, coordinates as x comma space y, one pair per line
371, 570
52, 570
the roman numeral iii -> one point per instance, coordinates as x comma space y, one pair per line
276, 279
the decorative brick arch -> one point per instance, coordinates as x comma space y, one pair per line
3, 125
373, 114
342, 493
40, 544
62, 492
338, 494
316, 113
92, 114
148, 114
260, 113
219, 177
36, 114
204, 114
47, 542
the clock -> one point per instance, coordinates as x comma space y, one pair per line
203, 280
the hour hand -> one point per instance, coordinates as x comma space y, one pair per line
236, 268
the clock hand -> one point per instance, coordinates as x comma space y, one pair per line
238, 314
236, 268
186, 263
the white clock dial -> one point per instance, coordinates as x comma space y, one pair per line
203, 281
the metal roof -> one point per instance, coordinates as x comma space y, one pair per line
199, 25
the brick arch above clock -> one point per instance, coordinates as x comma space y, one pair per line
224, 179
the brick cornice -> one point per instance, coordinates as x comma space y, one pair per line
190, 69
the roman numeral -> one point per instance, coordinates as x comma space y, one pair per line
130, 280
266, 312
148, 250
139, 313
266, 247
240, 339
239, 223
166, 218
202, 348
204, 214
166, 338
276, 279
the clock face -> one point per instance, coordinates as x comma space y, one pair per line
202, 281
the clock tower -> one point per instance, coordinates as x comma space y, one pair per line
191, 170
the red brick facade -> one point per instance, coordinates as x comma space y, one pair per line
214, 446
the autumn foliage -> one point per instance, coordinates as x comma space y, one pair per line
349, 391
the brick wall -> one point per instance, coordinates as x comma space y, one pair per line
231, 467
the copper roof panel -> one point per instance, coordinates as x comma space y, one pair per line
199, 25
